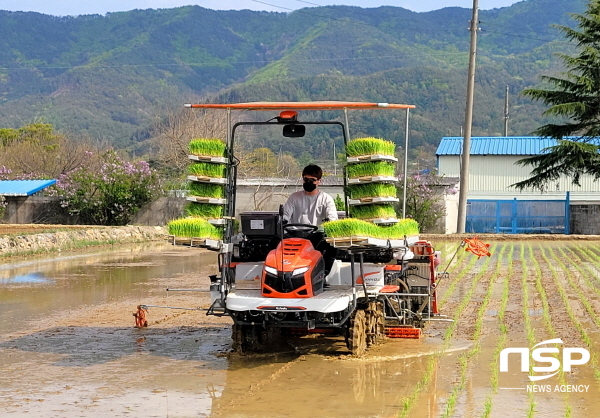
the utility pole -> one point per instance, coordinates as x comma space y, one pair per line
466, 148
334, 161
506, 114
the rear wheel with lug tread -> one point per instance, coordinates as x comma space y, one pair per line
356, 339
375, 323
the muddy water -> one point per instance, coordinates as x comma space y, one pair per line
68, 348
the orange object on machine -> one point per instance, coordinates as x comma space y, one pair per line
477, 247
402, 332
140, 317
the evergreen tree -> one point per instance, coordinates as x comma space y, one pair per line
575, 99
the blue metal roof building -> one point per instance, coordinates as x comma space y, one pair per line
500, 145
494, 167
23, 187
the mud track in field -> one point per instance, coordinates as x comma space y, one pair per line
68, 346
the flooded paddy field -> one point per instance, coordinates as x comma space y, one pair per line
68, 347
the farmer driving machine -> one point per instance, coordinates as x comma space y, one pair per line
360, 279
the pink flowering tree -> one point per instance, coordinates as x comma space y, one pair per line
108, 191
424, 199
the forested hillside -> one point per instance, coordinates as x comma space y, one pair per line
113, 77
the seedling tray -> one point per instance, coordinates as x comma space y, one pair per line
365, 242
211, 200
196, 242
372, 200
373, 157
373, 179
208, 159
205, 179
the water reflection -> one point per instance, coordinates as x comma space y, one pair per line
36, 288
26, 279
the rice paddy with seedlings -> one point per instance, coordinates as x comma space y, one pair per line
370, 146
209, 147
368, 212
529, 291
68, 346
207, 170
371, 169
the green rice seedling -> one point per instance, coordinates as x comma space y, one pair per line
404, 228
193, 228
372, 211
371, 168
216, 191
204, 210
370, 146
210, 147
207, 169
351, 227
360, 191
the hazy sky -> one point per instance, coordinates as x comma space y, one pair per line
77, 7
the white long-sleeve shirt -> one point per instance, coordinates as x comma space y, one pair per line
302, 208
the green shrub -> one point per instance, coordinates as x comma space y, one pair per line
107, 194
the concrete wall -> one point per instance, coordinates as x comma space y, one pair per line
585, 219
36, 210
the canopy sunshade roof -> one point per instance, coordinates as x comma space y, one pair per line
317, 105
23, 187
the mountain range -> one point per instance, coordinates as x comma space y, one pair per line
112, 77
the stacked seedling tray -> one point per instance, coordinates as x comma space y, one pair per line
371, 173
207, 175
371, 186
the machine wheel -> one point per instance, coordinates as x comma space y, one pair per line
356, 339
254, 338
375, 323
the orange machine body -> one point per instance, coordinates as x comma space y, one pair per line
293, 270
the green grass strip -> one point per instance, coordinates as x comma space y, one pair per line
360, 191
216, 191
371, 168
373, 211
203, 210
194, 228
370, 146
207, 169
209, 147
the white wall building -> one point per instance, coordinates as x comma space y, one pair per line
493, 171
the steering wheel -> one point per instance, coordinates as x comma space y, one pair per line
301, 227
